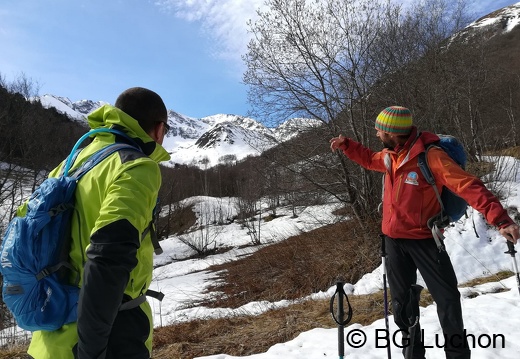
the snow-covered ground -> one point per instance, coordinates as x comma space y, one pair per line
492, 317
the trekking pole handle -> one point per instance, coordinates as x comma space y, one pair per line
383, 249
511, 248
340, 319
341, 313
512, 251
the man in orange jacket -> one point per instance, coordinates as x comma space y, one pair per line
408, 203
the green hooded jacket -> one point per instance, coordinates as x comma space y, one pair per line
111, 247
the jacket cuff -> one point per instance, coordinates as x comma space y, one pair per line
344, 145
505, 222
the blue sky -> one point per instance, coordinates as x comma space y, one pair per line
188, 51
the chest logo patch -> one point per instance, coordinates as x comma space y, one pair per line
412, 178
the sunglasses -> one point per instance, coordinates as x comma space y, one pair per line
166, 127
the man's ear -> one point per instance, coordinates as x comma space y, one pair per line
156, 132
160, 132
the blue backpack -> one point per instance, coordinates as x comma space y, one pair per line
34, 252
453, 207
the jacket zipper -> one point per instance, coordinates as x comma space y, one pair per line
398, 188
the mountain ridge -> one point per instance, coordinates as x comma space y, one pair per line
203, 142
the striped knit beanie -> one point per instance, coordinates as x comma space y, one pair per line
395, 119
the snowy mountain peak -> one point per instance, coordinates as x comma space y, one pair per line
294, 126
219, 133
241, 121
86, 106
501, 21
203, 141
184, 127
507, 18
230, 133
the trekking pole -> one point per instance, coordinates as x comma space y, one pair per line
385, 295
340, 292
512, 251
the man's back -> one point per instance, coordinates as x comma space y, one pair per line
115, 203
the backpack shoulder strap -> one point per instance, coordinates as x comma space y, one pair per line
98, 157
422, 162
436, 222
74, 152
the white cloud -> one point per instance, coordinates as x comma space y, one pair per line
224, 21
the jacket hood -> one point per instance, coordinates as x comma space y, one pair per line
111, 117
428, 137
418, 142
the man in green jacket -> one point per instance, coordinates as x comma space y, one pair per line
111, 238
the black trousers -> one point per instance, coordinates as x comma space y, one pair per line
404, 257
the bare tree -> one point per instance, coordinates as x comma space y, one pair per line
202, 237
22, 85
248, 209
312, 60
324, 60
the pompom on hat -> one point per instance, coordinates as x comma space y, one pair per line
395, 120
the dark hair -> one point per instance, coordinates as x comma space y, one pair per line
143, 105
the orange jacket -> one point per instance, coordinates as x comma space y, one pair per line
408, 200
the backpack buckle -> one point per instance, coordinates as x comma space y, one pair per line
440, 220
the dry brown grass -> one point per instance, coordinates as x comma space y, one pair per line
242, 335
180, 220
291, 269
246, 335
480, 169
512, 151
17, 352
303, 264
492, 278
